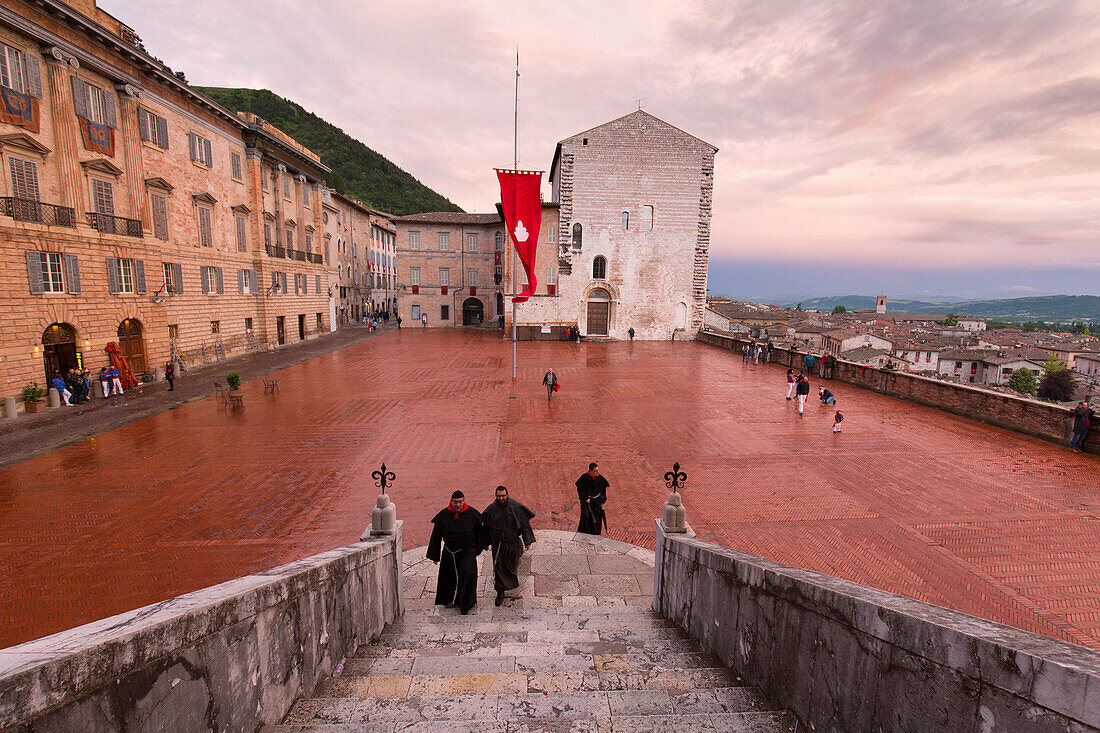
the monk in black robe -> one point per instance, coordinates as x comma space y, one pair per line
508, 531
455, 545
592, 492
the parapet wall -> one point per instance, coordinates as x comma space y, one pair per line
844, 657
1038, 419
232, 657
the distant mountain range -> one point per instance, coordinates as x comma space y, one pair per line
357, 170
1055, 308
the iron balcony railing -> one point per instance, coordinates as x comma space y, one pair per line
109, 224
316, 258
275, 251
36, 211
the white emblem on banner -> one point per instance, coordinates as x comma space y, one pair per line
521, 231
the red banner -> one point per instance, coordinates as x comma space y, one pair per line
519, 197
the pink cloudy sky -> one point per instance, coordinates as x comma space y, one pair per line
859, 136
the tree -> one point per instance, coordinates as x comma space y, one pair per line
1023, 381
798, 307
337, 182
839, 309
1057, 381
950, 320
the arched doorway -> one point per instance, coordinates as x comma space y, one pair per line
473, 312
500, 304
599, 312
132, 342
58, 349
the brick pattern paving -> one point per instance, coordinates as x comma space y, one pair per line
907, 498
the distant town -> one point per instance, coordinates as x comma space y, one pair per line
948, 346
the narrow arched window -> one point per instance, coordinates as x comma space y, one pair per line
599, 269
626, 220
498, 241
577, 234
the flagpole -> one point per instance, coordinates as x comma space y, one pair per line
515, 166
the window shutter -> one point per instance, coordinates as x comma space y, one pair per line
34, 76
139, 277
252, 282
34, 272
242, 245
240, 282
162, 131
112, 276
109, 105
192, 139
177, 276
72, 275
218, 270
204, 276
282, 281
297, 290
80, 98
24, 178
143, 124
317, 283
209, 158
305, 285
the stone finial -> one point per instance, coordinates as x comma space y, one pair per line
383, 518
674, 516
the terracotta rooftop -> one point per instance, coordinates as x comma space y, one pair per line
450, 217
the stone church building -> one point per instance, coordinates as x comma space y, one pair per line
626, 235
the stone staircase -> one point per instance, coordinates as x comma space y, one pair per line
579, 650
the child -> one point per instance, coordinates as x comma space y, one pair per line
105, 382
837, 419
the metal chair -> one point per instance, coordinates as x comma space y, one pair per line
223, 399
270, 385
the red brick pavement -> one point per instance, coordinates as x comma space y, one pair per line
907, 499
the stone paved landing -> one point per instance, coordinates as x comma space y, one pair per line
575, 648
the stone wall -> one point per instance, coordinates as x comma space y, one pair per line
1038, 419
844, 657
231, 657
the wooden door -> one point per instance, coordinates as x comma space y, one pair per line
280, 328
598, 316
132, 342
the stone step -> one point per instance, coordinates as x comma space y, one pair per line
442, 614
453, 712
493, 645
473, 623
396, 637
748, 722
529, 678
639, 661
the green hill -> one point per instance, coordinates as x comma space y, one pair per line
357, 170
1054, 308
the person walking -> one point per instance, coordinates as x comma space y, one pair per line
454, 546
398, 323
837, 419
551, 382
507, 530
631, 332
424, 319
790, 383
592, 492
802, 389
1083, 415
170, 374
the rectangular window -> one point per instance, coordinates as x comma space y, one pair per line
286, 187
471, 278
317, 283
305, 195
153, 128
206, 228
248, 325
125, 276
24, 179
444, 312
290, 239
173, 330
551, 275
215, 326
235, 166
444, 241
416, 312
444, 276
414, 276
52, 279
103, 197
159, 205
647, 218
92, 103
263, 178
309, 243
12, 73
551, 234
201, 149
171, 274
471, 243
242, 242
267, 235
414, 240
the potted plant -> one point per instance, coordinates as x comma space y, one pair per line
233, 379
32, 397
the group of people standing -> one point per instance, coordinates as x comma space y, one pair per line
757, 352
75, 388
461, 533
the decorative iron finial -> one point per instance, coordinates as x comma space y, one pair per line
383, 478
675, 479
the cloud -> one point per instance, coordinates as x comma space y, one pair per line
894, 131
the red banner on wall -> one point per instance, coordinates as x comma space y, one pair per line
519, 197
